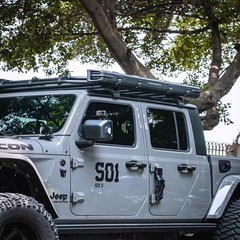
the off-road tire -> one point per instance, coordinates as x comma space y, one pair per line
228, 227
23, 218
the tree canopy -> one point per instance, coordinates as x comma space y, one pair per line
149, 38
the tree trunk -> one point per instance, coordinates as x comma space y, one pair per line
119, 51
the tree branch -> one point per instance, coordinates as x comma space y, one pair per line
217, 59
166, 30
110, 7
151, 7
211, 119
214, 93
228, 79
147, 29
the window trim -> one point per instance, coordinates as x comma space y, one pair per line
176, 129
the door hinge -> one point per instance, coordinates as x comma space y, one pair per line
77, 163
159, 184
77, 197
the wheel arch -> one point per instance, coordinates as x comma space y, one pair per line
24, 166
228, 189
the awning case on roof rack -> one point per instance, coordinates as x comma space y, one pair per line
143, 84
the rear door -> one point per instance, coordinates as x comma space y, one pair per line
106, 181
173, 164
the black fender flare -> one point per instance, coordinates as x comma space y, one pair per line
26, 166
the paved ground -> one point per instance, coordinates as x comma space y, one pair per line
142, 236
196, 237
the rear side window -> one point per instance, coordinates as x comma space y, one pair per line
122, 117
167, 129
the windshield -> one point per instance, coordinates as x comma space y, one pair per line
34, 114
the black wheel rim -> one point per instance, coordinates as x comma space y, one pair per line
18, 231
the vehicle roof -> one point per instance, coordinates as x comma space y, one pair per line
108, 84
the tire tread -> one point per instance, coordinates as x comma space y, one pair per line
228, 227
16, 200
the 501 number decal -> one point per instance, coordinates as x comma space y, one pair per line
107, 171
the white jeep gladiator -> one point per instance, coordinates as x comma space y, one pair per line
111, 155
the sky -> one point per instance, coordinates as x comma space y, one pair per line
221, 133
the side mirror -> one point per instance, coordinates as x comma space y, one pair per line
98, 130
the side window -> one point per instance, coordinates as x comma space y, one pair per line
122, 117
167, 129
35, 114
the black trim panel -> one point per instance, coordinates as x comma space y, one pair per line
197, 132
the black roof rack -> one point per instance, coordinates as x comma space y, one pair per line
116, 83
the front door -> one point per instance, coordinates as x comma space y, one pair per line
106, 183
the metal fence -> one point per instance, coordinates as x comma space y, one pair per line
217, 148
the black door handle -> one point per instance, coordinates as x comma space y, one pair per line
140, 165
185, 167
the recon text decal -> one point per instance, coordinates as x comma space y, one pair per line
15, 146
